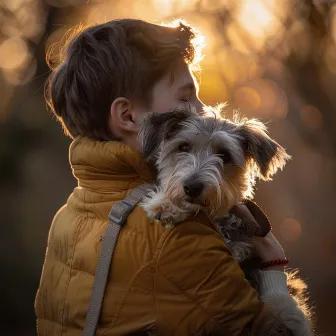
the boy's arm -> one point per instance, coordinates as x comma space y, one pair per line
200, 289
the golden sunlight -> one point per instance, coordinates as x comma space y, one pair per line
164, 7
173, 7
258, 18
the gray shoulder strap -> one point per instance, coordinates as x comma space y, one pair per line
118, 216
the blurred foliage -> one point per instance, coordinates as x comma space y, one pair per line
274, 60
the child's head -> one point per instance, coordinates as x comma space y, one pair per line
115, 72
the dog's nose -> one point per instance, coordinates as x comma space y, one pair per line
193, 189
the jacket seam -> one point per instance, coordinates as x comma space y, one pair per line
182, 290
193, 300
82, 271
70, 271
125, 293
127, 290
156, 253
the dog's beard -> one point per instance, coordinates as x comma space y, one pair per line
221, 202
171, 185
221, 189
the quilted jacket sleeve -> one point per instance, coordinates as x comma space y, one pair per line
199, 287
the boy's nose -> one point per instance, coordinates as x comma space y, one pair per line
199, 105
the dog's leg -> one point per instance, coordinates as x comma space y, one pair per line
236, 235
241, 250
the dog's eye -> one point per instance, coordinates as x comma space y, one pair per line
225, 156
185, 147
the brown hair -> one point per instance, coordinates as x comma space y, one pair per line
119, 58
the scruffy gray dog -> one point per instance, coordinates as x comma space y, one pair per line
210, 164
206, 163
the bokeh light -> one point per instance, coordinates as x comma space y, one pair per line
260, 18
256, 18
290, 229
247, 99
263, 98
173, 7
311, 116
273, 60
14, 53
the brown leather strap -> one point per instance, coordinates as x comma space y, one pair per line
118, 217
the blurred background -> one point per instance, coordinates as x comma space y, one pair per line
272, 59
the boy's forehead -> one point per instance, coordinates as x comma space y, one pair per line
178, 80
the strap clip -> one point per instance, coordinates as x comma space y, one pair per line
120, 212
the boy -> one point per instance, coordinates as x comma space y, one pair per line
180, 281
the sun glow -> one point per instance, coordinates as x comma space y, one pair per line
258, 18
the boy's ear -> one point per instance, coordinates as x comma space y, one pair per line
258, 147
157, 127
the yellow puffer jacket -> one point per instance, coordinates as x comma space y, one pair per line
180, 281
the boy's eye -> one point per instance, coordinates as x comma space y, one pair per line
184, 147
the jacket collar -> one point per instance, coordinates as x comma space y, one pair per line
109, 166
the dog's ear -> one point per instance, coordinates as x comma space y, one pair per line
157, 127
264, 152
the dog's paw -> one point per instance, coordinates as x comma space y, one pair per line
159, 208
170, 214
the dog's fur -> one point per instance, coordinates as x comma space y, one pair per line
224, 157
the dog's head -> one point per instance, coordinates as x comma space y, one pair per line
209, 162
158, 128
